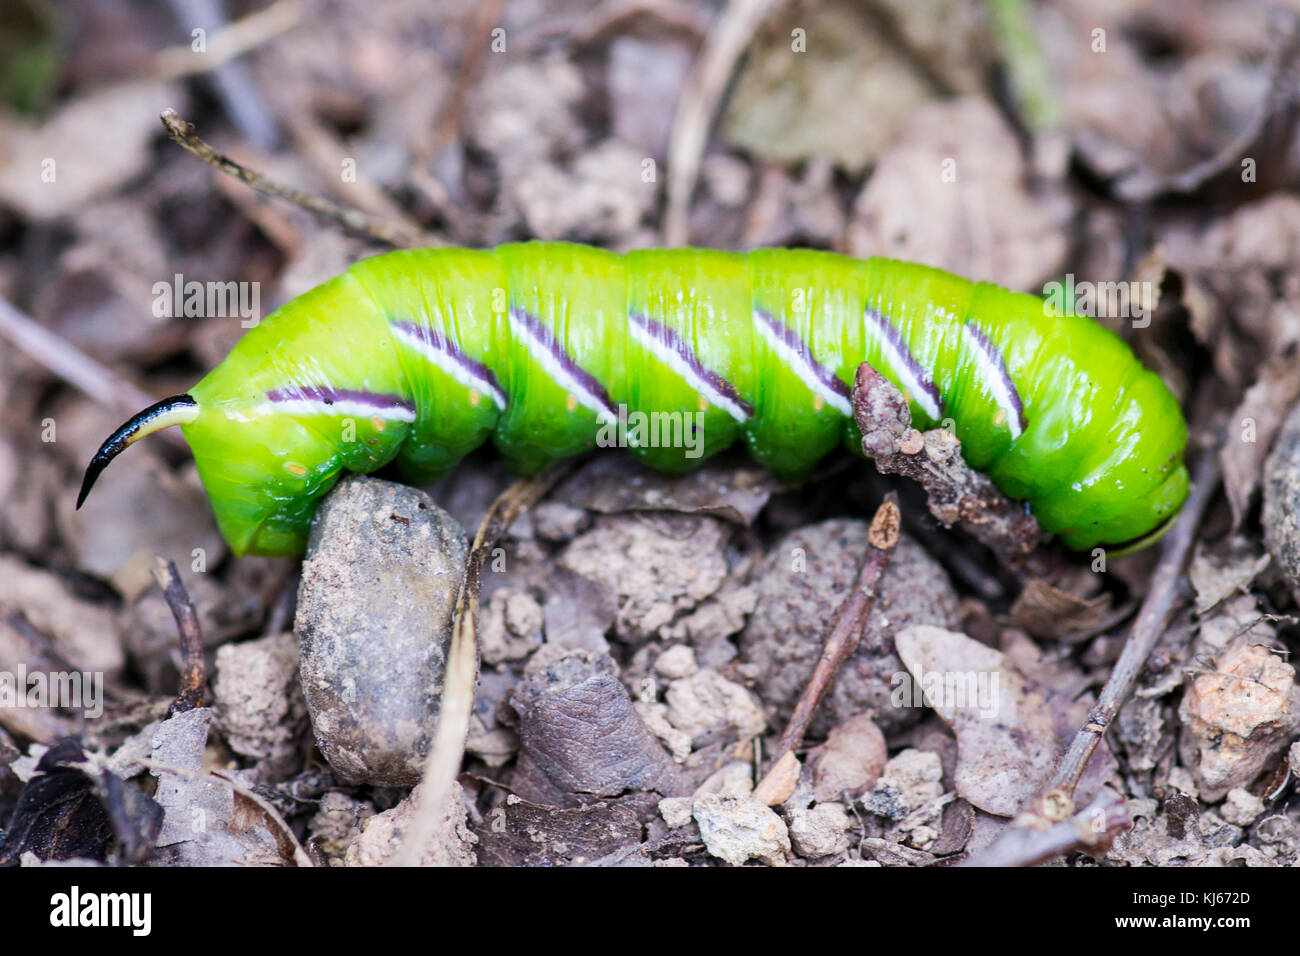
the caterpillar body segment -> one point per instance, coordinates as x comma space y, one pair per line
549, 349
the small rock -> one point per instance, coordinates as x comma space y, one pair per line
910, 780
1216, 831
258, 704
559, 522
1241, 807
1181, 779
510, 627
736, 829
1238, 717
802, 582
659, 569
655, 716
338, 823
451, 843
523, 614
735, 778
375, 607
706, 703
820, 831
717, 618
851, 759
578, 611
676, 662
489, 739
676, 811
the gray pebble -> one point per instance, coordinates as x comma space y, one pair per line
375, 606
801, 584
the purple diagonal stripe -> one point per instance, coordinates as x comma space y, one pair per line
993, 367
541, 342
798, 355
667, 344
915, 378
438, 349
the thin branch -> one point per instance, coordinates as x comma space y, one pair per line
75, 367
698, 104
846, 632
1147, 628
448, 751
193, 665
1091, 830
184, 135
229, 42
1054, 806
956, 492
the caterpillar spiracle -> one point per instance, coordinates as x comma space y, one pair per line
422, 355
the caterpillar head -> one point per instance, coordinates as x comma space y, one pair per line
263, 466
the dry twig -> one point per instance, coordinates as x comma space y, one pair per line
1055, 804
184, 135
699, 101
847, 629
193, 665
842, 641
75, 367
1091, 830
448, 751
1147, 629
957, 492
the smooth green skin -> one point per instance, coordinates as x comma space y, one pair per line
1100, 460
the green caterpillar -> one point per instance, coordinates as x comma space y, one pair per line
545, 347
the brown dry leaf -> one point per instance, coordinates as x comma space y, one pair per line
209, 821
1219, 572
519, 833
612, 484
58, 168
851, 759
950, 37
1242, 270
78, 633
1050, 613
580, 737
844, 98
1251, 430
778, 785
1189, 107
1009, 731
952, 193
